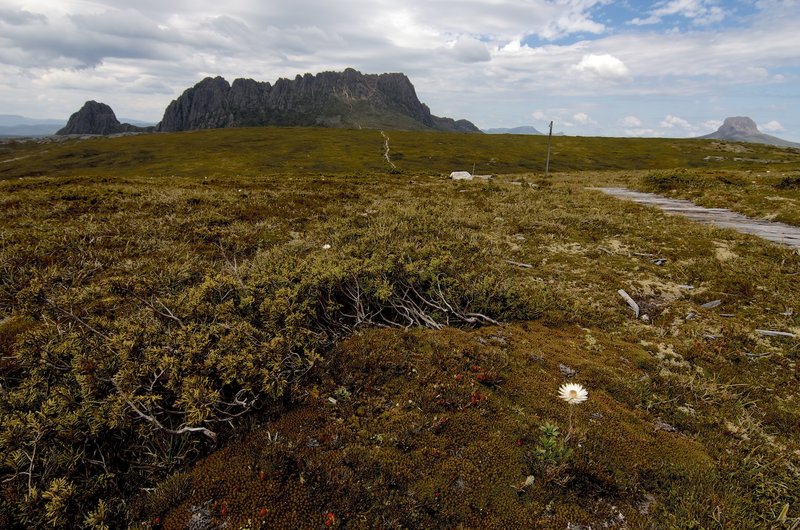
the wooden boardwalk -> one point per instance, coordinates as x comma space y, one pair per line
771, 231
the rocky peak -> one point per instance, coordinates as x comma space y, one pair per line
738, 125
743, 129
93, 118
98, 118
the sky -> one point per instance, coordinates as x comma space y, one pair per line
671, 68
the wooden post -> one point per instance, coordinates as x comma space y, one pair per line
549, 139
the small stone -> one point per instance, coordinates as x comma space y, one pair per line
566, 371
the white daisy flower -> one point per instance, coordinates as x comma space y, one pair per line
573, 393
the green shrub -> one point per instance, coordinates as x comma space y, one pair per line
668, 180
121, 381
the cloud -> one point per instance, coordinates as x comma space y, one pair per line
700, 12
772, 126
575, 19
583, 119
671, 121
469, 50
630, 121
20, 17
604, 66
678, 126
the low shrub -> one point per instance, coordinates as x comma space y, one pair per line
118, 384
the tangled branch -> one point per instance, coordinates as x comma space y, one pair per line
407, 307
386, 151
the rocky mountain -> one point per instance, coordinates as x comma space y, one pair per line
525, 129
98, 118
328, 99
743, 129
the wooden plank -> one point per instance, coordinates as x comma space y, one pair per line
780, 233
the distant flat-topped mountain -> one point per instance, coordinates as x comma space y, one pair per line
525, 129
328, 99
98, 118
743, 129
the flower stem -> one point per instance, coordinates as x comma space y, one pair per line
569, 432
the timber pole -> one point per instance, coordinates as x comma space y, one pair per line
549, 139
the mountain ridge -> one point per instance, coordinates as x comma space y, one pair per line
328, 99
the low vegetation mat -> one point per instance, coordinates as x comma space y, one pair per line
363, 349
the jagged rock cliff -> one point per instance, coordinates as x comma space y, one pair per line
744, 129
97, 118
331, 99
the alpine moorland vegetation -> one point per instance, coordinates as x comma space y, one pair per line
212, 328
260, 151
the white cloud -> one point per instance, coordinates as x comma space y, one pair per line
701, 12
604, 66
671, 121
630, 121
645, 21
583, 119
772, 126
574, 19
469, 50
538, 115
711, 125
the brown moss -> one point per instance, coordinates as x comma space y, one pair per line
409, 447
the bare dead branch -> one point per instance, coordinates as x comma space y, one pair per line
386, 151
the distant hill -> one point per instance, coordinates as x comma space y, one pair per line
98, 118
138, 123
15, 125
29, 130
744, 129
329, 99
525, 129
8, 120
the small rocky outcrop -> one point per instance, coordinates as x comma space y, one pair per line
744, 129
97, 118
328, 99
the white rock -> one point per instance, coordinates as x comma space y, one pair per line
461, 175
